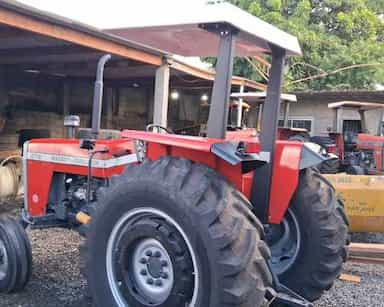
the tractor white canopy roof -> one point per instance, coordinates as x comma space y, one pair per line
179, 31
356, 105
259, 97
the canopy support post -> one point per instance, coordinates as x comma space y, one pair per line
262, 180
218, 113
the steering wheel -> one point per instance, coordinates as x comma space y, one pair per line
152, 127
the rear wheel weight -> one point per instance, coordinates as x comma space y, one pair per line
310, 265
199, 226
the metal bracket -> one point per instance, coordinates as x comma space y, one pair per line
235, 153
221, 28
310, 158
288, 299
281, 295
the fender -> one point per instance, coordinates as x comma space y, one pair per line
290, 158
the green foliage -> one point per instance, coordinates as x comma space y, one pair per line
333, 34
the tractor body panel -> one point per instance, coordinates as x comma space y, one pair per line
45, 157
375, 145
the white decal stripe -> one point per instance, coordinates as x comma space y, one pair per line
78, 161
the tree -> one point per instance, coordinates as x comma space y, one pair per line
342, 41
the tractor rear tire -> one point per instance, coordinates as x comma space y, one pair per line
185, 214
299, 138
331, 166
355, 170
15, 256
308, 257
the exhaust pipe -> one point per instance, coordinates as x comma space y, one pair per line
98, 95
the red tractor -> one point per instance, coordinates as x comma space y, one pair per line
284, 132
176, 221
358, 152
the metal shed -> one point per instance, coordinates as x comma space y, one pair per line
48, 63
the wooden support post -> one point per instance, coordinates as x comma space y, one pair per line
286, 113
259, 117
240, 109
161, 95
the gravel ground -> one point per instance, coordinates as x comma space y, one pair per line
56, 280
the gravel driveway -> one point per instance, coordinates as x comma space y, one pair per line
56, 280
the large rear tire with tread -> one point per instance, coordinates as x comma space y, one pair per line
186, 215
309, 247
15, 256
331, 166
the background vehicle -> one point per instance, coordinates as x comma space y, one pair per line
242, 104
174, 220
360, 152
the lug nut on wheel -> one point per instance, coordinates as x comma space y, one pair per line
150, 281
158, 283
143, 261
143, 272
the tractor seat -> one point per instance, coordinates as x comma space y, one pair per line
104, 134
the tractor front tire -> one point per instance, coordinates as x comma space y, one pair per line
174, 233
15, 256
309, 247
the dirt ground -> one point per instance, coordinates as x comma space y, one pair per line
56, 279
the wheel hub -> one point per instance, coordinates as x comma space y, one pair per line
152, 270
284, 241
154, 267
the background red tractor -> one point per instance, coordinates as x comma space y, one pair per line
174, 220
359, 152
257, 100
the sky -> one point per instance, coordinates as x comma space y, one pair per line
105, 14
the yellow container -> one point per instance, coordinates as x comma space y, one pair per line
363, 197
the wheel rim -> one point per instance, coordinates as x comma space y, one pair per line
284, 241
3, 260
152, 280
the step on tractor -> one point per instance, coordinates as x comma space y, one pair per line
177, 221
358, 152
